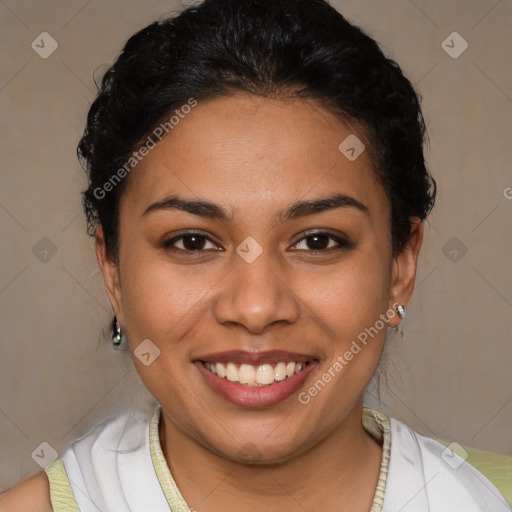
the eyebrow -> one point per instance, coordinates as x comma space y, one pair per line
296, 210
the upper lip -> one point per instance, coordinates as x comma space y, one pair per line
255, 358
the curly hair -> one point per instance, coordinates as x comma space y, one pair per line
290, 48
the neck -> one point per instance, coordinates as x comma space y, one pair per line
341, 469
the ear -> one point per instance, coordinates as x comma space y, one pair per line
110, 272
403, 270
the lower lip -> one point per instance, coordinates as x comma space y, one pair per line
254, 396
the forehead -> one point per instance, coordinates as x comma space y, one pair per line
255, 153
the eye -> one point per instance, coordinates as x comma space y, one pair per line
190, 242
320, 241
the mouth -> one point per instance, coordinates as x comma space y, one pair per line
250, 375
260, 379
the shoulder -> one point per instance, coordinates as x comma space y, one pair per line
423, 471
30, 495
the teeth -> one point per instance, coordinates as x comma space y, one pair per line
280, 371
247, 374
232, 372
265, 374
221, 371
255, 376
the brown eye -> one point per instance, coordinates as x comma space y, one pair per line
317, 242
193, 242
190, 242
321, 242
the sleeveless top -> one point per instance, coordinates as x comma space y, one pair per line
120, 467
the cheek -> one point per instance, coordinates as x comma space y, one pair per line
159, 298
163, 303
352, 295
352, 305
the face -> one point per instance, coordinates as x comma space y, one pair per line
249, 244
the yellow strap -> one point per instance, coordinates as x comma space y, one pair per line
378, 426
63, 499
172, 494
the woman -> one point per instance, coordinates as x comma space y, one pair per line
257, 194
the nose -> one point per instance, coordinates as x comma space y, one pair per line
256, 295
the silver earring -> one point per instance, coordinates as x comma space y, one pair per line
401, 312
117, 335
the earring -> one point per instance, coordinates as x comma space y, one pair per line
401, 313
117, 335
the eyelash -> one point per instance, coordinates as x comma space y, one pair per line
342, 244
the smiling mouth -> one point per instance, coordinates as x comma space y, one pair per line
255, 375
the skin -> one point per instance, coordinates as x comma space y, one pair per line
254, 157
31, 495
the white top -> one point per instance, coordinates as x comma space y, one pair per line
119, 467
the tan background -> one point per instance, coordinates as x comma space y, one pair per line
448, 377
